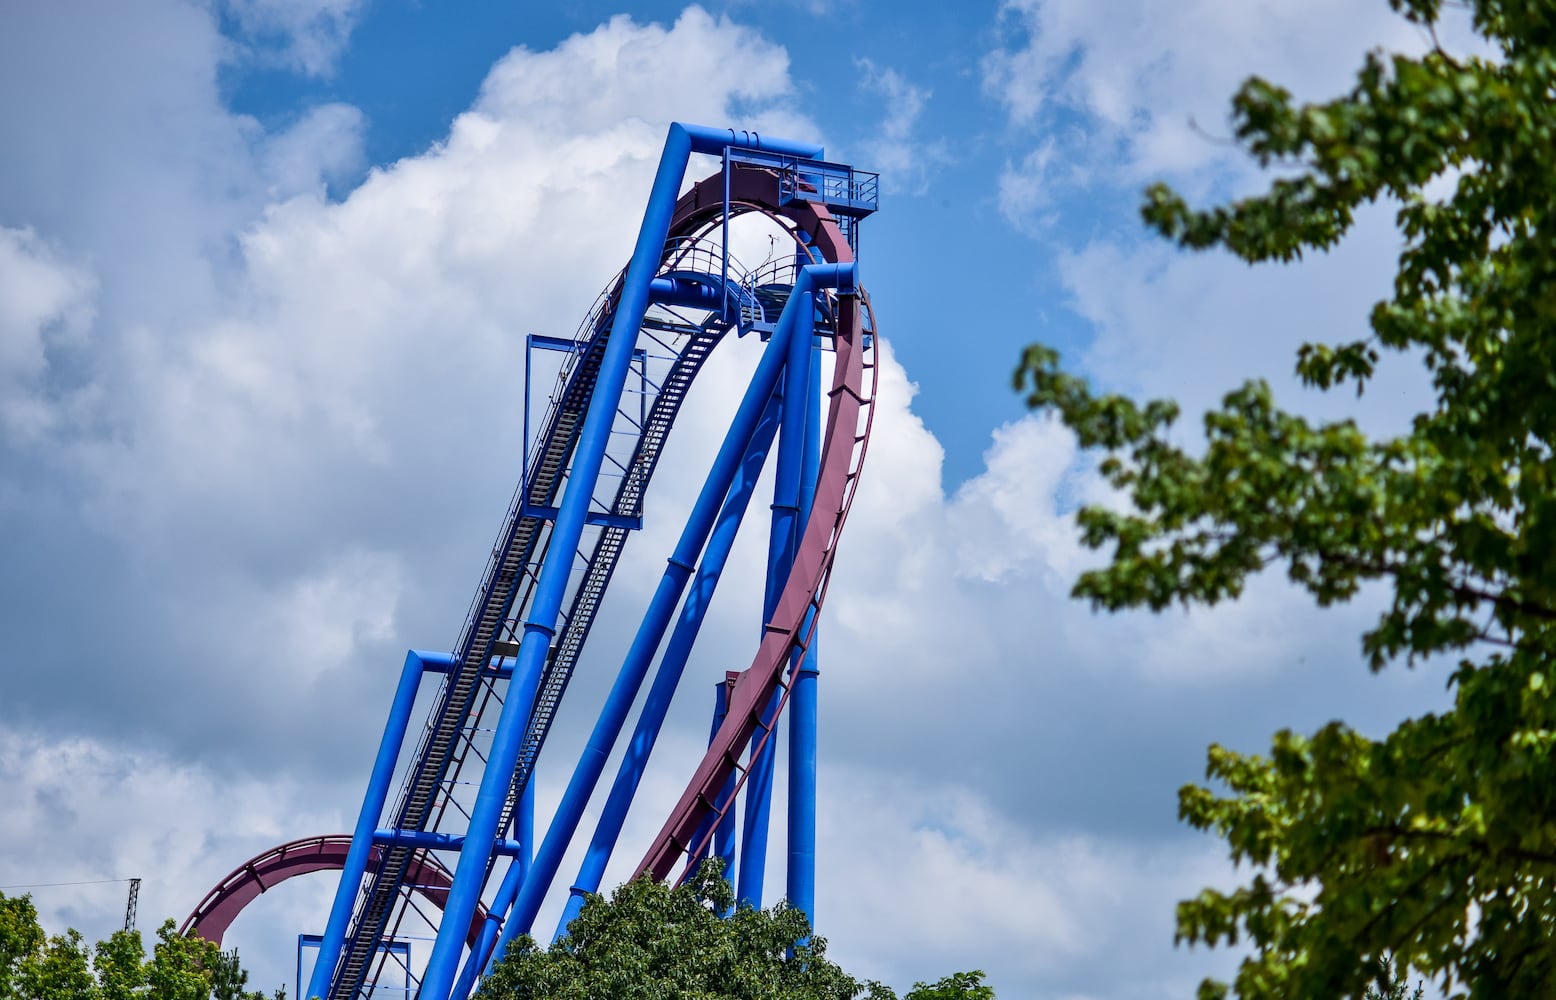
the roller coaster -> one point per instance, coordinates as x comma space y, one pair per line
590, 456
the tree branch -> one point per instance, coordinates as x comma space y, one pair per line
1398, 832
1463, 591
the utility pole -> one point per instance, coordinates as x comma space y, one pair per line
129, 909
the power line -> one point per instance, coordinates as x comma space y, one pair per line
55, 885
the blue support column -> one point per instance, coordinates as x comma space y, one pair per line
783, 543
724, 835
671, 666
720, 709
524, 819
801, 884
334, 937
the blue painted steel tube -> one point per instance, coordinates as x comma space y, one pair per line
524, 827
800, 888
646, 643
686, 292
671, 666
719, 710
798, 313
758, 811
485, 951
724, 835
334, 938
715, 140
524, 833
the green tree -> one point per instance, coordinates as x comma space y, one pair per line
956, 986
21, 937
1436, 844
34, 966
120, 963
228, 977
651, 942
60, 970
181, 967
192, 968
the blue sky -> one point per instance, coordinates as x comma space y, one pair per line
265, 271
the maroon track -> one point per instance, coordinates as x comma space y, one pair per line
222, 904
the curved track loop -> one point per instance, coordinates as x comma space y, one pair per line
263, 872
794, 620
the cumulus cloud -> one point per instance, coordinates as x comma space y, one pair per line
1143, 76
95, 813
1121, 98
1035, 909
1134, 92
321, 148
46, 305
1026, 188
305, 35
907, 161
596, 82
298, 410
1232, 322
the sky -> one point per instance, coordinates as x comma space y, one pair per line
266, 269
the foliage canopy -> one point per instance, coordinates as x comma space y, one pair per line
652, 942
1436, 844
35, 966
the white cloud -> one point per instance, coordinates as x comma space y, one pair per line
943, 876
906, 161
1231, 322
300, 463
80, 810
46, 304
322, 147
1026, 189
319, 622
305, 35
1139, 91
593, 87
1009, 519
